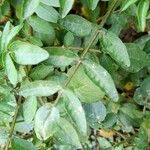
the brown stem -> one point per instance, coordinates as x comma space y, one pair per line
13, 123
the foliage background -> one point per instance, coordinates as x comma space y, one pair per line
74, 74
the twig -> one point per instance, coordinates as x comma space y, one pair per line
13, 123
91, 41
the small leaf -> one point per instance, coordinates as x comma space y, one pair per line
39, 88
66, 6
145, 87
13, 32
102, 78
95, 113
75, 110
113, 46
11, 70
41, 71
68, 39
66, 134
46, 119
4, 35
126, 4
27, 54
104, 143
77, 25
54, 3
92, 4
47, 13
21, 144
142, 9
29, 108
60, 57
30, 7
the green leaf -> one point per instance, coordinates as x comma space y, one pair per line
29, 108
65, 7
92, 4
145, 87
139, 59
68, 39
27, 54
21, 144
4, 35
46, 120
11, 70
39, 88
77, 25
142, 9
30, 7
126, 4
13, 32
104, 143
95, 113
53, 3
41, 71
101, 78
19, 5
7, 109
60, 57
141, 41
113, 46
83, 87
75, 110
36, 23
66, 134
47, 13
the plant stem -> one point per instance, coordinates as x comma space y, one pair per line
91, 41
13, 123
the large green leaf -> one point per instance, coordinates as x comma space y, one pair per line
29, 108
27, 54
60, 57
53, 3
92, 3
41, 71
36, 23
11, 70
39, 88
21, 144
113, 46
46, 119
84, 88
75, 111
65, 6
102, 78
47, 13
138, 58
95, 113
30, 7
66, 134
77, 25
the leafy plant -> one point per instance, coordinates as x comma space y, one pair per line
74, 74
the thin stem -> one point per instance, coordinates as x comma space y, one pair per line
13, 123
145, 102
91, 41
